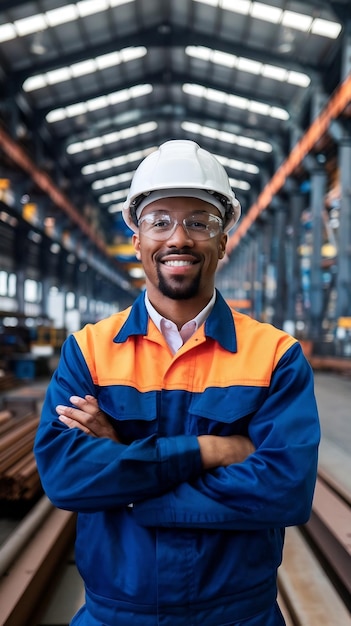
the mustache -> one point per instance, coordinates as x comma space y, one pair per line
178, 252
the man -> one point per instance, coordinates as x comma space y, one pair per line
183, 433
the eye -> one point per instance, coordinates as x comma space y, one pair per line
196, 223
160, 223
156, 222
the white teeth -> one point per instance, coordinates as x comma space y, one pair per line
178, 263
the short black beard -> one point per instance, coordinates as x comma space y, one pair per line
179, 292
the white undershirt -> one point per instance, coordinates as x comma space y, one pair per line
176, 338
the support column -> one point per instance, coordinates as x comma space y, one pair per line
293, 260
318, 191
280, 264
343, 303
258, 276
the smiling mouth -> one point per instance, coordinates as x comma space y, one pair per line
179, 263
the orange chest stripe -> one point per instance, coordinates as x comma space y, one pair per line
146, 363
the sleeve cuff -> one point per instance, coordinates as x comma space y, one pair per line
180, 458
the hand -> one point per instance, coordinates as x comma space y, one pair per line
88, 417
222, 451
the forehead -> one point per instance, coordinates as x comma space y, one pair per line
180, 205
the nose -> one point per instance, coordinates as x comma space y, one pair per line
179, 236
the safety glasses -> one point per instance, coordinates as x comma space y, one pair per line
160, 225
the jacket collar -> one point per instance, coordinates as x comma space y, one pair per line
218, 326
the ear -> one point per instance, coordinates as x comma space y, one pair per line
136, 244
222, 245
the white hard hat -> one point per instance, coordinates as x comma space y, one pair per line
181, 166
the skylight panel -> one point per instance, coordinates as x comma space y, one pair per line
74, 148
238, 165
89, 169
279, 114
266, 12
140, 90
221, 135
130, 157
199, 52
239, 184
113, 195
259, 107
95, 104
276, 15
263, 146
274, 72
299, 21
297, 78
236, 101
108, 60
248, 65
57, 115
35, 82
129, 54
30, 25
7, 32
241, 6
62, 15
112, 137
216, 95
223, 58
116, 208
96, 142
112, 181
83, 67
77, 69
58, 76
325, 28
89, 7
251, 66
76, 109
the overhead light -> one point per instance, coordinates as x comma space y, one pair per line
239, 184
299, 21
62, 15
95, 104
275, 15
241, 6
108, 138
88, 66
219, 135
241, 166
266, 12
116, 208
86, 8
325, 28
114, 195
275, 72
124, 159
112, 181
7, 32
30, 25
236, 101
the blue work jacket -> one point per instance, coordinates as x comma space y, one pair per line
159, 540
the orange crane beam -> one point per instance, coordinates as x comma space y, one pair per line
333, 109
47, 186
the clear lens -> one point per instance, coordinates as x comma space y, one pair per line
160, 226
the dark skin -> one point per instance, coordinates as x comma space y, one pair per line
180, 274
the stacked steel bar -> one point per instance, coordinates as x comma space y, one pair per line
19, 478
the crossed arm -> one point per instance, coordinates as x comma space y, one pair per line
215, 451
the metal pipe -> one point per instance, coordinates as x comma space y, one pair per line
24, 531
